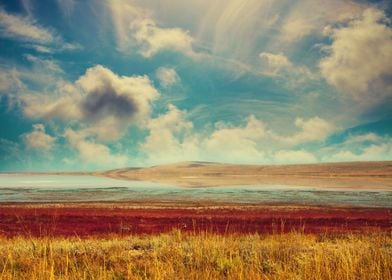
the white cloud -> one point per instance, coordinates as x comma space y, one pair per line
289, 156
167, 76
362, 147
276, 61
297, 28
310, 16
38, 139
154, 39
93, 153
359, 56
313, 129
280, 65
369, 137
44, 65
380, 151
24, 29
135, 26
19, 82
5, 81
236, 144
172, 138
10, 83
106, 102
126, 99
33, 35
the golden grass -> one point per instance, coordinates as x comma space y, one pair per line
177, 255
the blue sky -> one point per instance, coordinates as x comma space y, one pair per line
88, 85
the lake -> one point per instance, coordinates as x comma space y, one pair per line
55, 188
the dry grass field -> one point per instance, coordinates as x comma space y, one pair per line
176, 255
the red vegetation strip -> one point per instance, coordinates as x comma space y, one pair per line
103, 221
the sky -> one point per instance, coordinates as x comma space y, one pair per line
95, 84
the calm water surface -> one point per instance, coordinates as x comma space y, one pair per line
53, 188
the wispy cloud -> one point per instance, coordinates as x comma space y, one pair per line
32, 34
28, 7
167, 76
24, 29
67, 6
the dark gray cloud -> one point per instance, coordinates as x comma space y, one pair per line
106, 101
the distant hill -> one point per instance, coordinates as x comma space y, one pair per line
197, 174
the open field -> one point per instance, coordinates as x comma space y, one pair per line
350, 175
176, 255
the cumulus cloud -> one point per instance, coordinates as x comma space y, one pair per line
38, 139
93, 153
153, 38
167, 76
100, 98
135, 26
126, 99
292, 156
96, 109
382, 151
28, 31
361, 147
236, 144
359, 57
313, 129
172, 138
310, 16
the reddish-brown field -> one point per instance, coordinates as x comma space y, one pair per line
102, 219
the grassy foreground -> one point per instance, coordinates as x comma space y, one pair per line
199, 256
